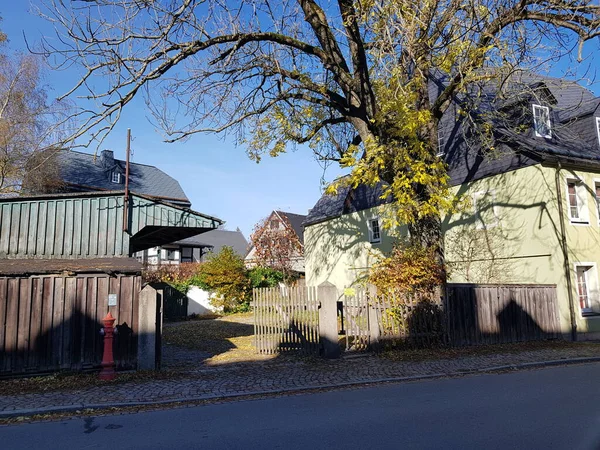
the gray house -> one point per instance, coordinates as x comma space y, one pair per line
84, 172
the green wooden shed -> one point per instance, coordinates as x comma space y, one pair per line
65, 262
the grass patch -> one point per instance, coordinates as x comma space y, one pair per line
581, 349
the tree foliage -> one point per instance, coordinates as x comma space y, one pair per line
350, 78
410, 269
277, 247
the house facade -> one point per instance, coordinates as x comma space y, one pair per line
530, 212
196, 248
284, 225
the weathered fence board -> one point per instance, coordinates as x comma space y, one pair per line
286, 319
52, 322
493, 314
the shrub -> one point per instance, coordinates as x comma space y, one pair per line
180, 276
265, 277
409, 269
225, 274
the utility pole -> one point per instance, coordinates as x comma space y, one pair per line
126, 196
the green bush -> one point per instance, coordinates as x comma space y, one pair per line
265, 277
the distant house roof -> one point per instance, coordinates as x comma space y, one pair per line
295, 221
574, 137
87, 172
217, 239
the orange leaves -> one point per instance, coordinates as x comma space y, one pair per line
409, 269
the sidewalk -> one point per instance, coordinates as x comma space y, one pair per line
283, 375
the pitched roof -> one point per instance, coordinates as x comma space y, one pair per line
295, 221
217, 239
85, 170
574, 109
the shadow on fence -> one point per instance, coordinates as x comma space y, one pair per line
466, 315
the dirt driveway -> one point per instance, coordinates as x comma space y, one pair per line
210, 342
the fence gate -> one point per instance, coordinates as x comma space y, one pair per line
286, 319
354, 321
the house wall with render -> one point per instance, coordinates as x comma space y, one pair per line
338, 250
507, 230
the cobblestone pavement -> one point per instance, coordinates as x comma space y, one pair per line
279, 374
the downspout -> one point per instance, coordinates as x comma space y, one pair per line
126, 196
563, 245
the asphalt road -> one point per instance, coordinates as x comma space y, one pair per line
555, 408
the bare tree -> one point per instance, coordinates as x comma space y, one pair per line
28, 125
350, 77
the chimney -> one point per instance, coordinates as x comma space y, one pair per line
107, 158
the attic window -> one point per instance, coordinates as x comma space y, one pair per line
115, 177
374, 230
541, 121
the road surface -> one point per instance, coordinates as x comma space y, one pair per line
554, 408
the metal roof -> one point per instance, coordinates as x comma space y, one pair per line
90, 225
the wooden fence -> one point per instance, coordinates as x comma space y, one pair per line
493, 314
53, 322
467, 315
286, 319
416, 321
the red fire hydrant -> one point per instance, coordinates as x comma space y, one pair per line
108, 363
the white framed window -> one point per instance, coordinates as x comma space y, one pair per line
576, 201
153, 251
374, 230
586, 284
172, 254
115, 177
485, 210
541, 121
598, 128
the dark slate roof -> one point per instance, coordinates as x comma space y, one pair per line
295, 221
346, 201
574, 136
86, 172
217, 239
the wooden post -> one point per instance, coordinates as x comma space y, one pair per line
373, 305
328, 329
147, 332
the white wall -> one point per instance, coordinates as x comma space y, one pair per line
199, 302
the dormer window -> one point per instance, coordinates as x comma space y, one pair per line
598, 128
541, 121
115, 177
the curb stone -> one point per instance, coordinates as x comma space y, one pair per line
101, 406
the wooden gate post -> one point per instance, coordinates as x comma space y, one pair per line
328, 326
147, 333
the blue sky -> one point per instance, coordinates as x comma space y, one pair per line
217, 176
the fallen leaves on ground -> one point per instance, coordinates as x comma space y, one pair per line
67, 381
579, 349
226, 339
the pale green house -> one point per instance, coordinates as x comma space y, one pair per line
530, 213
